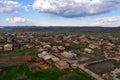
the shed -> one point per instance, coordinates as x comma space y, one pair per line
46, 57
8, 47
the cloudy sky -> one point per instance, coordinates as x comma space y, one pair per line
60, 12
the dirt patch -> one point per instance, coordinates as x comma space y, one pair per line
14, 60
103, 67
34, 63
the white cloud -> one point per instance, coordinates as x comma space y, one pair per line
26, 8
75, 8
19, 21
107, 21
8, 6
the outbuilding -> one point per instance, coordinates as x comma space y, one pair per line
8, 47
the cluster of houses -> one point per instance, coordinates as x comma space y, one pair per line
6, 47
113, 75
60, 60
37, 64
60, 49
45, 60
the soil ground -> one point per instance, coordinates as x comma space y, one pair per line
103, 67
14, 60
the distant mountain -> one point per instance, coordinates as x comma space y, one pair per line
17, 27
63, 28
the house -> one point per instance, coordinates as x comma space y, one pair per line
55, 49
16, 46
40, 55
72, 53
46, 57
1, 39
44, 53
108, 47
74, 65
58, 41
87, 50
21, 35
76, 42
44, 43
119, 46
55, 59
47, 46
106, 77
40, 50
19, 41
9, 40
92, 46
61, 48
83, 39
111, 44
68, 54
30, 45
61, 65
8, 47
67, 44
1, 48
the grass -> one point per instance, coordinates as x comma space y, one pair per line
103, 67
90, 58
79, 47
23, 73
97, 51
17, 52
3, 43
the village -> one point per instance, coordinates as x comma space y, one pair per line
64, 50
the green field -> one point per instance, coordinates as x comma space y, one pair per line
18, 52
23, 73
